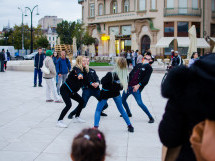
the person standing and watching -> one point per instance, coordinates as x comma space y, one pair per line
194, 57
55, 58
5, 61
50, 85
138, 79
38, 63
128, 57
2, 58
8, 55
139, 57
63, 67
176, 60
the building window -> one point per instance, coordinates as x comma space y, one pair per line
213, 5
92, 10
114, 30
168, 29
100, 9
183, 6
53, 38
182, 29
170, 4
212, 30
115, 7
153, 4
126, 6
198, 28
195, 4
126, 30
142, 5
49, 38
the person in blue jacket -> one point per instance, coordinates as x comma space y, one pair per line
63, 67
38, 63
55, 59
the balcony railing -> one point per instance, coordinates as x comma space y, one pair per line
213, 14
182, 11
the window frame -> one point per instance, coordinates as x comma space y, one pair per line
115, 10
92, 8
128, 6
155, 3
102, 13
139, 6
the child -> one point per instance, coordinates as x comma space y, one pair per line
89, 145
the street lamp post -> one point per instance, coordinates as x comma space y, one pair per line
22, 29
31, 11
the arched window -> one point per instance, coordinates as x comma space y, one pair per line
142, 5
195, 4
100, 9
115, 7
126, 6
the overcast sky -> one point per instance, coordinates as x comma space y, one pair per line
67, 9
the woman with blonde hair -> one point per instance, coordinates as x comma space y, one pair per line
69, 91
112, 84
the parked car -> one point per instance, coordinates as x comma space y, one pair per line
30, 56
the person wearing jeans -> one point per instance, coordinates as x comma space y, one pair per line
63, 67
112, 84
38, 63
90, 88
138, 79
69, 91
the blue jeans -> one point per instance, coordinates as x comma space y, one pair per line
137, 96
39, 73
86, 94
118, 102
133, 62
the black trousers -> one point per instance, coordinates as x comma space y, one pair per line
129, 62
67, 95
5, 65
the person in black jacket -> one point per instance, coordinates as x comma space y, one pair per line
38, 63
138, 79
69, 91
112, 84
190, 94
2, 58
90, 88
176, 60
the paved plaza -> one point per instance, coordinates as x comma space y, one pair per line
28, 131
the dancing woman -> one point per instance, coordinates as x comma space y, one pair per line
112, 84
69, 91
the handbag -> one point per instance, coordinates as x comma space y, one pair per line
45, 69
203, 141
170, 154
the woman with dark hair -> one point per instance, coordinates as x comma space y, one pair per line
194, 57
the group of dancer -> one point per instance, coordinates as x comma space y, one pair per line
113, 82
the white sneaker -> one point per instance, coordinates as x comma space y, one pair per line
61, 124
78, 120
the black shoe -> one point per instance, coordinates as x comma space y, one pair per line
40, 85
70, 116
130, 128
103, 114
129, 115
151, 120
35, 85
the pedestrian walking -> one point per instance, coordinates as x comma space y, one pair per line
90, 88
63, 67
138, 79
49, 78
69, 91
2, 58
128, 57
133, 58
189, 93
5, 61
89, 145
112, 83
38, 63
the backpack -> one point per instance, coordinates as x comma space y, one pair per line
203, 141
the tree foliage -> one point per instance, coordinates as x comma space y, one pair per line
42, 42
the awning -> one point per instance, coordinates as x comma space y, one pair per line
202, 43
212, 38
183, 41
164, 42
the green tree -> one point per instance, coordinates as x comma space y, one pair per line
87, 39
42, 42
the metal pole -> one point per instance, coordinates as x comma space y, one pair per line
31, 33
22, 33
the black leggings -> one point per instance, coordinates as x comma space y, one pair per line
128, 62
67, 95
